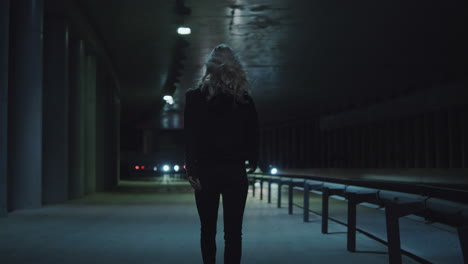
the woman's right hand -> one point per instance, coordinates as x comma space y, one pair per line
195, 182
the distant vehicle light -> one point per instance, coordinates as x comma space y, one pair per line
176, 168
185, 167
166, 168
155, 168
142, 167
274, 171
184, 31
137, 167
169, 99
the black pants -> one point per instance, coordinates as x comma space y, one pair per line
231, 182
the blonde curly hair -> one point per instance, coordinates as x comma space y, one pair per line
224, 74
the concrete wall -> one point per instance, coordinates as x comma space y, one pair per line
106, 166
117, 147
25, 104
76, 117
56, 106
433, 139
96, 78
49, 106
90, 124
4, 38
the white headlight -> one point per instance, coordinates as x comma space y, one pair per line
274, 171
184, 31
166, 168
169, 99
176, 168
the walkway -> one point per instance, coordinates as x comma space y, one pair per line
148, 223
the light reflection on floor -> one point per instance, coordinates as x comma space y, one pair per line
165, 178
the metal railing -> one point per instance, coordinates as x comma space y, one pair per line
397, 199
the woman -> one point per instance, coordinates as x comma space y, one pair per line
221, 130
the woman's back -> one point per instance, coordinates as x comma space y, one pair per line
220, 129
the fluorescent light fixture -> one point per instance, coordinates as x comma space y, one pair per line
168, 99
274, 171
166, 168
184, 31
176, 168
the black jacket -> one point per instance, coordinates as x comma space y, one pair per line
219, 130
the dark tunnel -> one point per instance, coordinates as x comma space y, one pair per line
362, 115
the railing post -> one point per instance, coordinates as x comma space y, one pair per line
353, 200
325, 195
393, 212
279, 194
463, 237
261, 189
290, 198
351, 223
253, 187
393, 235
306, 202
269, 190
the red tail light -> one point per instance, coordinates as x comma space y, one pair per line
137, 167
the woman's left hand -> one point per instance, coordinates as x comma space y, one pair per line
195, 182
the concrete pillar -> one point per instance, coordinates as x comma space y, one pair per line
4, 39
107, 129
25, 104
371, 152
55, 122
454, 140
419, 139
441, 140
116, 119
104, 131
349, 147
429, 141
409, 143
90, 125
76, 118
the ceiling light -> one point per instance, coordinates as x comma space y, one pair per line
184, 31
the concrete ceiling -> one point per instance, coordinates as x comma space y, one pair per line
303, 57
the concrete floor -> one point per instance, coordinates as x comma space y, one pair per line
146, 223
